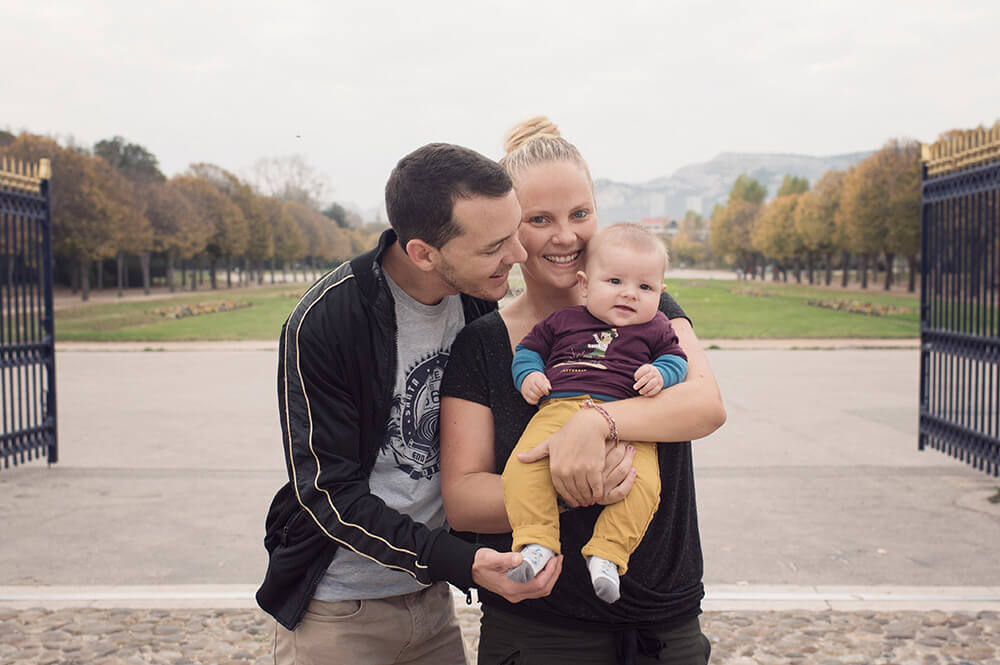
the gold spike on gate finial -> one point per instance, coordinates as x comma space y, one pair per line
45, 169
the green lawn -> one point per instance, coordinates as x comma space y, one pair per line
720, 309
138, 321
725, 309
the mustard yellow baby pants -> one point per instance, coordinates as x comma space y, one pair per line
530, 498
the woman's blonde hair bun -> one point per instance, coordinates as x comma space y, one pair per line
520, 134
537, 141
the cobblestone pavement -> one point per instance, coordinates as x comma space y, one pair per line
191, 636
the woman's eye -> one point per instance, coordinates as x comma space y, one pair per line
538, 219
580, 214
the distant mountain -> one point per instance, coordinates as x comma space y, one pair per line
699, 187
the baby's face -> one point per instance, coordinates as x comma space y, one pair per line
622, 286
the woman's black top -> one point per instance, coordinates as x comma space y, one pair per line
663, 584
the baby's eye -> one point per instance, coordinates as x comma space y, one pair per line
614, 280
645, 287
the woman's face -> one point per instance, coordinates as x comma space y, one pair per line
558, 217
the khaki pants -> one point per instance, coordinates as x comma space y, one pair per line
416, 629
530, 498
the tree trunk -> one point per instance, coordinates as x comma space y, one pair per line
211, 273
170, 269
272, 269
100, 274
229, 272
798, 270
784, 274
864, 271
84, 279
775, 272
810, 269
74, 281
912, 286
144, 260
284, 277
829, 268
120, 265
890, 257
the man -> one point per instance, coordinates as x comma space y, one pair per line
359, 557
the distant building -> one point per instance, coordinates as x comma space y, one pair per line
661, 226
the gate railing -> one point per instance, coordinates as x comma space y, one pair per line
960, 298
27, 350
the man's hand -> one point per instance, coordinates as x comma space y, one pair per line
576, 458
489, 571
534, 387
648, 380
619, 475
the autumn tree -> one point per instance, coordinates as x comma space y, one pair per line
82, 211
180, 230
865, 211
289, 243
731, 224
774, 234
904, 184
691, 242
816, 221
230, 233
125, 212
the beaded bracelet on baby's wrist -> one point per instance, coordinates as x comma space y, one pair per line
613, 433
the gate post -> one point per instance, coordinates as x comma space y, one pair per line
48, 320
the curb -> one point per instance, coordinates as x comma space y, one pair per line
718, 597
819, 344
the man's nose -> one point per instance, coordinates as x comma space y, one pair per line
517, 253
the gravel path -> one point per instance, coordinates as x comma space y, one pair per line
188, 637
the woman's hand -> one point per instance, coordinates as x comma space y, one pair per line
576, 458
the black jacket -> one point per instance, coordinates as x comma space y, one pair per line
336, 375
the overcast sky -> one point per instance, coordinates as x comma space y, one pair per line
641, 87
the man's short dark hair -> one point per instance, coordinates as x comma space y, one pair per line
422, 189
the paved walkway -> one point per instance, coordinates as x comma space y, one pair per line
812, 499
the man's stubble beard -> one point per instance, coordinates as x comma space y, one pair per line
450, 277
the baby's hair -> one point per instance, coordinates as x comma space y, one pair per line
628, 235
538, 141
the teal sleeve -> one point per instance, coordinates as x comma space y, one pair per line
672, 368
527, 361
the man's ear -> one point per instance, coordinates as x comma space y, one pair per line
421, 254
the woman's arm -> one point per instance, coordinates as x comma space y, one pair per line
689, 410
472, 492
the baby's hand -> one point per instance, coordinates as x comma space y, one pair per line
536, 386
648, 380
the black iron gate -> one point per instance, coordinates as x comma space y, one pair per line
960, 299
27, 352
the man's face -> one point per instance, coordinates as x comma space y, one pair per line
477, 261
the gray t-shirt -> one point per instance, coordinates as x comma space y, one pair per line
407, 471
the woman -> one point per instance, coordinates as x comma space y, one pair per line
483, 416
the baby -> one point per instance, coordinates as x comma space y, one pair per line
615, 346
